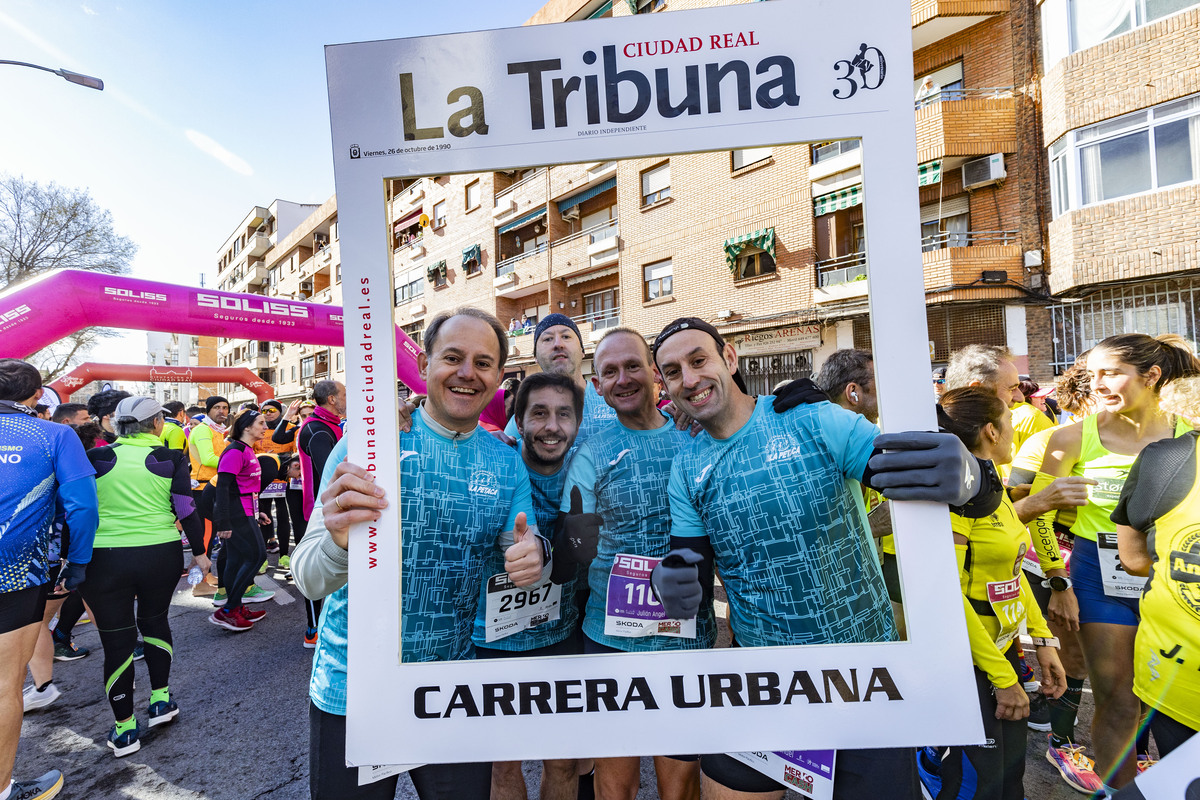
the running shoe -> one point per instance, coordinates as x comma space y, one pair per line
139, 651
251, 615
310, 638
263, 569
219, 598
45, 787
285, 562
1039, 712
35, 699
69, 651
230, 620
1145, 762
257, 594
125, 743
1076, 769
929, 770
272, 545
163, 712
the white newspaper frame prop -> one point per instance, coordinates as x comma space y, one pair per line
842, 92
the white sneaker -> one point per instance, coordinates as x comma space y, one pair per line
35, 699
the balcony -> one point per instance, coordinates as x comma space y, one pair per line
958, 259
257, 244
934, 20
411, 250
407, 201
594, 248
966, 122
250, 278
593, 326
841, 278
523, 274
568, 179
520, 198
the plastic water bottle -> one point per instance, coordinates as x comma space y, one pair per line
195, 575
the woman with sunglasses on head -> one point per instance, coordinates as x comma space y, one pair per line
1127, 372
996, 600
236, 519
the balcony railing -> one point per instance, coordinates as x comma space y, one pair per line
600, 320
509, 264
944, 95
413, 241
609, 230
943, 239
841, 269
507, 190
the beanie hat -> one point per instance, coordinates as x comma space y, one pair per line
550, 321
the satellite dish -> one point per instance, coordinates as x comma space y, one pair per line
424, 220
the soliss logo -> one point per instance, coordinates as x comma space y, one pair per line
245, 304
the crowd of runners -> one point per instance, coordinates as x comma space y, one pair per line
1073, 511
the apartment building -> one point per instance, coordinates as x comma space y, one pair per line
180, 350
286, 250
1121, 121
766, 243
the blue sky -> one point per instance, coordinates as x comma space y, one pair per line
207, 110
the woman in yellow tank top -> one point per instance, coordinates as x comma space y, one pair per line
1160, 508
1099, 599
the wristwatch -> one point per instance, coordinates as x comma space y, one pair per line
1041, 641
1057, 583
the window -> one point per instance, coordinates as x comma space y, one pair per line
945, 224
472, 195
648, 6
943, 84
439, 214
264, 348
656, 184
1095, 21
415, 332
754, 262
306, 367
657, 281
824, 152
1135, 153
602, 309
413, 286
750, 155
340, 359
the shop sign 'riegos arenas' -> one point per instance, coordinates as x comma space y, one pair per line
751, 75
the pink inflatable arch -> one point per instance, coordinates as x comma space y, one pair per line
42, 311
90, 371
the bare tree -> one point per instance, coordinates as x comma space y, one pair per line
49, 227
52, 227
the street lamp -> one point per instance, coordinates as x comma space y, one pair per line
65, 74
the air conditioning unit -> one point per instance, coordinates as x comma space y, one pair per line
570, 214
306, 287
983, 171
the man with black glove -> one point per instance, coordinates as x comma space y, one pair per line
616, 522
39, 463
771, 494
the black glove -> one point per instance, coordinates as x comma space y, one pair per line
676, 583
801, 391
580, 531
72, 575
919, 465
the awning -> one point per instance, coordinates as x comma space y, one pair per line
763, 239
407, 222
472, 253
929, 174
537, 213
586, 194
835, 201
435, 271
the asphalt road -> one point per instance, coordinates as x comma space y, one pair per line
242, 733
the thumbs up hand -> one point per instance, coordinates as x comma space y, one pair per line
676, 583
523, 559
581, 532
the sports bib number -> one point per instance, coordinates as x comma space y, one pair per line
1065, 542
1005, 599
1117, 582
296, 484
511, 609
631, 608
274, 489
